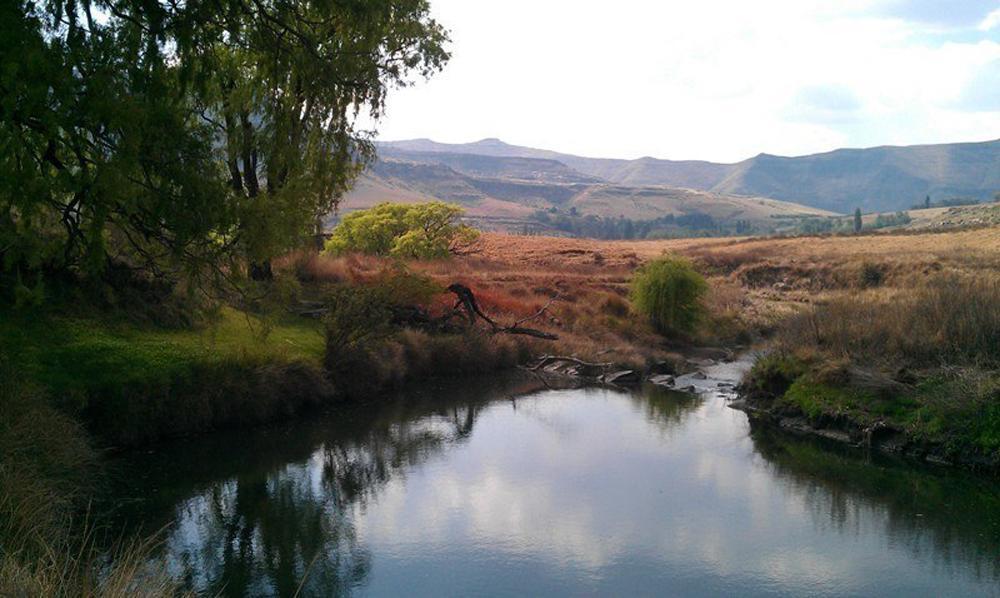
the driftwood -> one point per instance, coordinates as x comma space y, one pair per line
577, 367
467, 301
545, 360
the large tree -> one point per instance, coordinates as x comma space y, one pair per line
173, 132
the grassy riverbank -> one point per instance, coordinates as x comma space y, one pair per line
133, 383
136, 383
50, 544
917, 371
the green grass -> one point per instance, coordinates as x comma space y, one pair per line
134, 384
66, 354
816, 400
957, 409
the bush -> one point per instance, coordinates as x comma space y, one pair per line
359, 318
671, 294
420, 231
871, 275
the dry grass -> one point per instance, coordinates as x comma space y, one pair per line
949, 320
47, 473
755, 282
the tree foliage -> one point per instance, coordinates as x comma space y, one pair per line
170, 133
422, 231
670, 293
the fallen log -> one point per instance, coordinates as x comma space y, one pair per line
545, 360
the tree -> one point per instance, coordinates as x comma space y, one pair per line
178, 132
857, 220
421, 231
927, 201
670, 293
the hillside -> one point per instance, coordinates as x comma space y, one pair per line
876, 179
506, 193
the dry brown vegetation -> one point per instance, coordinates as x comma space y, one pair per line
755, 282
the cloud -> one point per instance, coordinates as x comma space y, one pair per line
962, 13
992, 21
717, 79
825, 104
982, 92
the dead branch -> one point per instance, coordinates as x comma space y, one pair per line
538, 314
467, 300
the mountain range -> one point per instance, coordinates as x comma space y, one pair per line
507, 184
875, 179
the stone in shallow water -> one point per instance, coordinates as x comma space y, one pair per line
662, 380
623, 377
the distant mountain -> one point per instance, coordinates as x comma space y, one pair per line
511, 167
508, 191
875, 179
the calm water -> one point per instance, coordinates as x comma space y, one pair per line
514, 489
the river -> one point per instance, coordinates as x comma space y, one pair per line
511, 487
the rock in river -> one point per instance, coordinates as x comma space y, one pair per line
623, 377
662, 380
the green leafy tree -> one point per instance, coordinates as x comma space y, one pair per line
179, 133
857, 220
670, 293
423, 231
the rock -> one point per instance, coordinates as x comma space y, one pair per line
662, 380
698, 376
688, 389
662, 367
623, 377
700, 361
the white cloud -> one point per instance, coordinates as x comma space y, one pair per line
717, 79
992, 21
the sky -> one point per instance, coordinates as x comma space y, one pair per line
719, 80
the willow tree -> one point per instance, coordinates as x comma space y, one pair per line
163, 132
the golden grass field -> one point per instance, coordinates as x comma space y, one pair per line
755, 282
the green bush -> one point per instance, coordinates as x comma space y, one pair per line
421, 231
671, 294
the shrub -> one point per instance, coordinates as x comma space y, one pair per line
871, 275
420, 231
772, 375
670, 293
401, 286
358, 318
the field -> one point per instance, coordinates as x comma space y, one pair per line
755, 282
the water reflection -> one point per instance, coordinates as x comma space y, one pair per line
499, 488
948, 517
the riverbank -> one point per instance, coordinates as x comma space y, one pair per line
132, 383
135, 383
892, 333
915, 373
